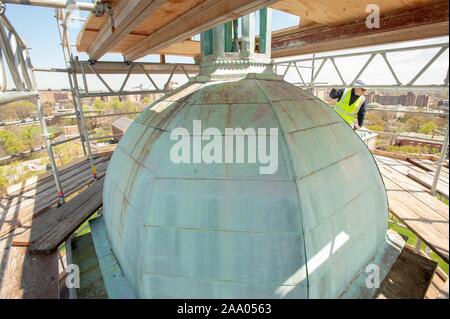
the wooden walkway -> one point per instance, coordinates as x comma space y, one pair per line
423, 173
412, 203
32, 197
26, 218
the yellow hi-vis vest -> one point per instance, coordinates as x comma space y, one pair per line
346, 110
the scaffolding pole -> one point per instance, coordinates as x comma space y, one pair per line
19, 63
437, 173
61, 4
74, 86
63, 37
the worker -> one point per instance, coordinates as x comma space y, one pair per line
351, 104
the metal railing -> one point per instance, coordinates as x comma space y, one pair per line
284, 66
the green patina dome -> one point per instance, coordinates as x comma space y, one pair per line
225, 230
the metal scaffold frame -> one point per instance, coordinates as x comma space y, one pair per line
283, 67
15, 53
21, 70
286, 65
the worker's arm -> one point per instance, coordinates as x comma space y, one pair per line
362, 114
336, 94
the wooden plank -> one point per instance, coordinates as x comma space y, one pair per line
413, 24
415, 212
416, 190
328, 12
444, 291
409, 277
32, 181
19, 201
200, 18
128, 15
23, 212
57, 224
48, 222
393, 171
429, 166
26, 276
427, 181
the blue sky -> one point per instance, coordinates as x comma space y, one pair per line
37, 27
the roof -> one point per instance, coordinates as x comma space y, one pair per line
167, 26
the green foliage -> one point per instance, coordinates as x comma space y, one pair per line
10, 143
18, 110
101, 132
30, 136
414, 123
377, 128
427, 127
146, 101
404, 149
115, 104
99, 105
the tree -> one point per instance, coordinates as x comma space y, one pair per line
25, 109
146, 101
427, 127
28, 135
115, 104
18, 110
413, 124
10, 142
99, 105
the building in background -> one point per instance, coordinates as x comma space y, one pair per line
408, 99
54, 97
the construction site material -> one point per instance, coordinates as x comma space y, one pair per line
444, 292
26, 276
414, 206
424, 172
335, 29
87, 67
35, 196
426, 180
324, 26
409, 278
429, 166
63, 4
144, 27
50, 229
372, 58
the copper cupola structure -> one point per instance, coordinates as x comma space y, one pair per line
222, 229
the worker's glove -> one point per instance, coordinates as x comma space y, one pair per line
333, 92
356, 127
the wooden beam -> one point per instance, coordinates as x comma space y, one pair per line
200, 18
413, 24
129, 15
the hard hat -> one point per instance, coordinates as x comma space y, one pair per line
360, 84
